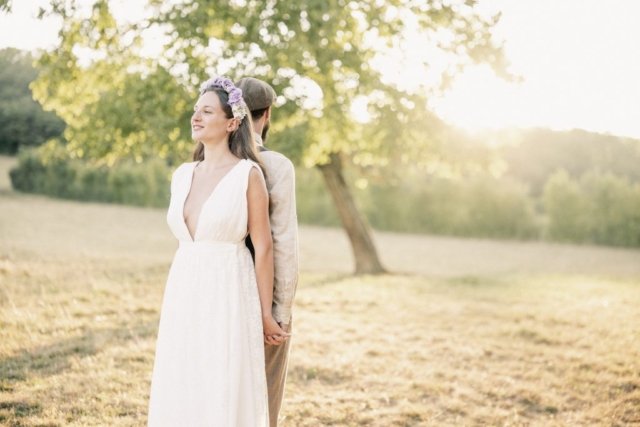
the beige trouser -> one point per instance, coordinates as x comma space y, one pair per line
276, 359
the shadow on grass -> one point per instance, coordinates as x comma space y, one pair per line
54, 358
308, 374
13, 409
337, 278
329, 279
475, 282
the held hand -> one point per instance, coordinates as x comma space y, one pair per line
273, 333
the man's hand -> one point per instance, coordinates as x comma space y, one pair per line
277, 339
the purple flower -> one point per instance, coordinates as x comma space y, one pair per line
218, 81
236, 102
235, 95
227, 85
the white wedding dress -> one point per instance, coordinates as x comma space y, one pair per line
209, 363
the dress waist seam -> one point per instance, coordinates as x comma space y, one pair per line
210, 243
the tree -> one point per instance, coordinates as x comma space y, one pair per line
22, 120
326, 46
118, 104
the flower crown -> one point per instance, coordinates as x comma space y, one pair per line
236, 102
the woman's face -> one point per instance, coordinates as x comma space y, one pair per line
208, 122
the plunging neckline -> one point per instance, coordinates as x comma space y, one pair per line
184, 201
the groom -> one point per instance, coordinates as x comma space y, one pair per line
259, 97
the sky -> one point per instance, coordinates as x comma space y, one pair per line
579, 61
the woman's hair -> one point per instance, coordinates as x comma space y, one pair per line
241, 141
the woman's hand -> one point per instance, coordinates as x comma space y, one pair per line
273, 333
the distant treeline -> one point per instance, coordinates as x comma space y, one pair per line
570, 186
564, 186
23, 122
600, 208
49, 170
532, 156
573, 186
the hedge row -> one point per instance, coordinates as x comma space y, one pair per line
49, 170
596, 208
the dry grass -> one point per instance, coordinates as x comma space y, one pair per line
479, 332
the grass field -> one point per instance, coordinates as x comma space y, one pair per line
466, 332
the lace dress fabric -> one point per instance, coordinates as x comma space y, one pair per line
209, 367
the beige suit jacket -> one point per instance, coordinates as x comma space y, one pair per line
284, 229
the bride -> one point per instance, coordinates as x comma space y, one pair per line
216, 309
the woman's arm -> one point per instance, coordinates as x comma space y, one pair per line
260, 232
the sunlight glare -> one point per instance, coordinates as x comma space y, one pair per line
359, 109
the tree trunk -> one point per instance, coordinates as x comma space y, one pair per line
364, 251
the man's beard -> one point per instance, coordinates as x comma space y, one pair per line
265, 131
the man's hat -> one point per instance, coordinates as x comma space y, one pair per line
256, 93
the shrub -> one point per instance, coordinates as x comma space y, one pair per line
565, 207
599, 208
480, 206
49, 170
